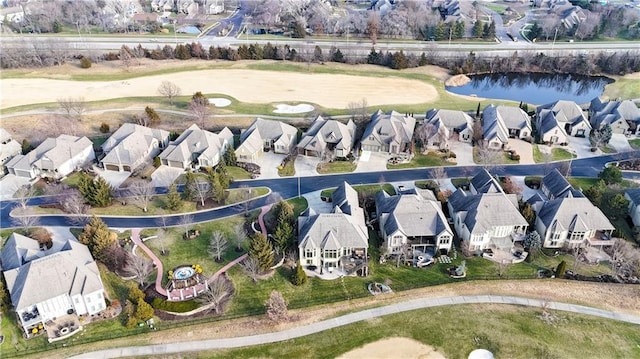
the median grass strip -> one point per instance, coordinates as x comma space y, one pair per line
557, 154
336, 167
430, 159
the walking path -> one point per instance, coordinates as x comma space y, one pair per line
135, 237
292, 333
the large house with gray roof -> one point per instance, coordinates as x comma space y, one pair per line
328, 136
499, 123
54, 157
389, 132
9, 148
485, 216
266, 135
622, 116
572, 223
566, 116
633, 196
447, 123
131, 146
51, 287
413, 219
336, 241
196, 148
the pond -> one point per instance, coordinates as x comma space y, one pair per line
535, 88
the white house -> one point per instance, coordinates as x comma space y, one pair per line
501, 122
51, 287
389, 132
448, 122
9, 148
622, 116
633, 196
567, 115
266, 135
338, 240
196, 148
54, 157
132, 145
13, 14
414, 218
550, 129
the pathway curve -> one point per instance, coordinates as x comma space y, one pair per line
292, 333
135, 237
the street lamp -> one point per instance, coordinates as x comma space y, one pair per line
554, 39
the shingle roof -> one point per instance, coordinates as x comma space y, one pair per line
390, 127
332, 231
411, 214
569, 109
574, 214
634, 194
194, 140
324, 131
452, 119
484, 182
261, 130
555, 182
487, 210
549, 121
52, 153
493, 126
130, 142
612, 111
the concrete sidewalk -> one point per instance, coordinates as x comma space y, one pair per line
225, 343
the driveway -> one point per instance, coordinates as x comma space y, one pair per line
315, 203
164, 176
114, 178
9, 184
581, 147
620, 143
464, 153
269, 163
372, 162
523, 148
306, 165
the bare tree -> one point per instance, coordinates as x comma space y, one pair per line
218, 293
326, 156
200, 111
74, 204
624, 259
478, 132
218, 244
186, 222
23, 214
169, 90
488, 158
276, 307
74, 107
503, 265
358, 111
138, 267
200, 189
439, 174
141, 193
239, 236
251, 267
424, 133
244, 199
125, 56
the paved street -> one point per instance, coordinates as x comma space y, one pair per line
416, 304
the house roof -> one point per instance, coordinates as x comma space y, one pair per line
573, 214
569, 110
411, 214
493, 127
634, 195
556, 183
8, 146
196, 141
346, 198
261, 130
70, 270
323, 132
390, 127
550, 121
485, 211
452, 119
130, 142
513, 117
52, 153
611, 111
333, 231
484, 182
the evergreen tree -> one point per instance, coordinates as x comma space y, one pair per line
97, 192
561, 269
299, 276
399, 61
152, 115
57, 26
440, 32
182, 52
529, 214
229, 158
459, 29
423, 60
298, 31
243, 52
283, 211
260, 248
373, 58
478, 111
173, 202
97, 237
283, 236
594, 193
611, 175
268, 52
477, 29
187, 189
255, 52
144, 311
338, 56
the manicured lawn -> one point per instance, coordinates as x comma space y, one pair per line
387, 187
457, 330
499, 160
288, 170
238, 173
459, 182
430, 159
495, 7
73, 179
557, 154
337, 167
551, 262
635, 143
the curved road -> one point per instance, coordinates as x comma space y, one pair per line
292, 333
289, 187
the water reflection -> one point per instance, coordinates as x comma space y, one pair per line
534, 88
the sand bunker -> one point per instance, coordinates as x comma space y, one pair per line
393, 348
220, 102
301, 108
251, 86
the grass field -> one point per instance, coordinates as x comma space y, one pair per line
430, 159
336, 167
635, 143
557, 154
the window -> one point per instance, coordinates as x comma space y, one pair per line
330, 253
445, 240
308, 253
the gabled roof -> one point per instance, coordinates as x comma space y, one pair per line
69, 270
573, 214
493, 126
485, 211
261, 130
612, 111
390, 127
346, 198
411, 214
484, 182
550, 121
555, 182
570, 111
634, 195
324, 131
130, 142
452, 119
194, 140
52, 153
513, 117
333, 231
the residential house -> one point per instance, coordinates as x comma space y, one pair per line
389, 132
196, 148
336, 240
447, 123
633, 196
571, 222
571, 16
486, 217
328, 136
622, 116
494, 131
215, 7
131, 146
516, 122
413, 219
162, 5
550, 129
555, 185
51, 288
484, 182
9, 148
14, 14
55, 158
145, 18
565, 114
263, 136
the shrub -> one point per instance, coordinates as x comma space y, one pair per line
156, 162
104, 127
561, 269
85, 62
515, 157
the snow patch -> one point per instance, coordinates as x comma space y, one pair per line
301, 108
